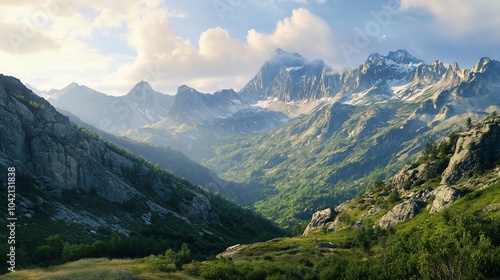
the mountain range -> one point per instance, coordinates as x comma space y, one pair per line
383, 113
299, 127
139, 107
382, 150
78, 186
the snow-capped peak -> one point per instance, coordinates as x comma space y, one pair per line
287, 58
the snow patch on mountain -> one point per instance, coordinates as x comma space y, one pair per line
294, 109
294, 68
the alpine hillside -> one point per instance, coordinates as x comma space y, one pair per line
383, 113
422, 223
303, 136
102, 200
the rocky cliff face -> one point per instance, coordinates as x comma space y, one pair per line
454, 159
41, 143
476, 150
408, 175
260, 87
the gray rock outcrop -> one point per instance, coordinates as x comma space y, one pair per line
408, 175
62, 158
199, 211
399, 214
476, 150
320, 219
443, 196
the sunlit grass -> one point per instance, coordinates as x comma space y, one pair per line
89, 269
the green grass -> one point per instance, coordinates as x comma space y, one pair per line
480, 199
89, 269
306, 254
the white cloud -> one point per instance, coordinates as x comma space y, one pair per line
24, 38
459, 17
220, 61
56, 68
41, 44
303, 32
57, 53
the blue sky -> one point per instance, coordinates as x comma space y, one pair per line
214, 44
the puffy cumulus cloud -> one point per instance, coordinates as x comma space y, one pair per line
220, 61
23, 38
56, 17
21, 30
40, 44
111, 15
460, 17
73, 61
57, 54
166, 60
303, 32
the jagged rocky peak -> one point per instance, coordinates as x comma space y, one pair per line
453, 72
186, 90
454, 67
225, 92
399, 60
374, 58
398, 57
287, 58
438, 67
403, 57
68, 87
72, 85
59, 92
485, 64
142, 86
186, 95
141, 92
75, 88
481, 65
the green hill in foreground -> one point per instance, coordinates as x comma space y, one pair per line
368, 237
79, 196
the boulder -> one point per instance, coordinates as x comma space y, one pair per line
476, 150
443, 196
400, 213
409, 174
320, 219
414, 175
